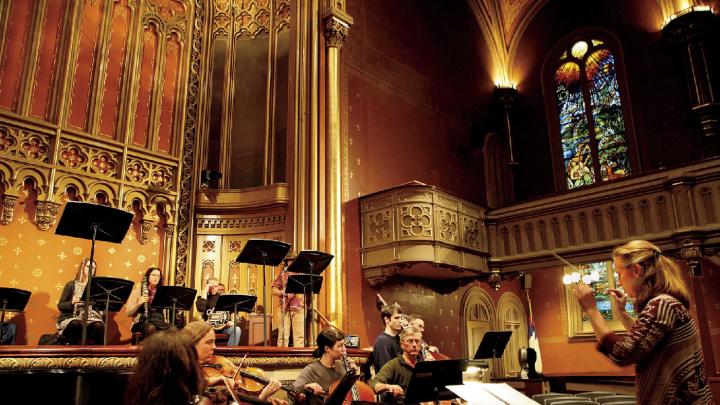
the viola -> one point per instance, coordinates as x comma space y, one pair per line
251, 380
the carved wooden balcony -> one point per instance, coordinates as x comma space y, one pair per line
417, 230
673, 208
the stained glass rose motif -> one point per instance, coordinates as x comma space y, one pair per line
161, 177
7, 141
104, 164
136, 172
73, 157
35, 147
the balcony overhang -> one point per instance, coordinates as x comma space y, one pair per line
417, 230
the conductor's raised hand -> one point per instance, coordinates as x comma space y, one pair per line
585, 296
619, 297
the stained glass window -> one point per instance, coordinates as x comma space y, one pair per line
592, 125
605, 279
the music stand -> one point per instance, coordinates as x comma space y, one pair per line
310, 262
266, 252
95, 222
13, 300
174, 297
430, 379
492, 345
235, 303
337, 397
113, 293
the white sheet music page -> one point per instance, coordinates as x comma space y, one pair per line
508, 394
474, 394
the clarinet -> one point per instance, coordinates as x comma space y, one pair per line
143, 292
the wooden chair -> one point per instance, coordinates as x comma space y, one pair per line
594, 394
569, 400
615, 399
541, 398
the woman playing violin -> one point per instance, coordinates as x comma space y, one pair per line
203, 337
318, 376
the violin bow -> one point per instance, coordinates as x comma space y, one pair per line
237, 372
564, 261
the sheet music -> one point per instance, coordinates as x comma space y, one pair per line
474, 394
508, 394
490, 393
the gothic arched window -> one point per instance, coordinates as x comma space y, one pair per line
589, 111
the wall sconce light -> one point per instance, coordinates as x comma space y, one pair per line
494, 280
208, 176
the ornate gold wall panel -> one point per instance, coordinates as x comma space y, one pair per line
415, 223
70, 84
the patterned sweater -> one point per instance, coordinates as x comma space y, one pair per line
663, 344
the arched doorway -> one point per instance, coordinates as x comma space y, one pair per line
478, 315
512, 317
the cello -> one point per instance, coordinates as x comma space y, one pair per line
359, 391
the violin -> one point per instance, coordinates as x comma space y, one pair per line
251, 380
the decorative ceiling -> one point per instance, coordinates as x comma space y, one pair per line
503, 23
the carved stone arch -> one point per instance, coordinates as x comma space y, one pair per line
142, 211
156, 20
101, 187
511, 316
41, 180
478, 316
7, 179
63, 182
498, 179
169, 205
132, 195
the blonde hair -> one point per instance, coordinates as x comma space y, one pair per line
197, 330
660, 275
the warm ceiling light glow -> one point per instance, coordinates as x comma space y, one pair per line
505, 85
684, 11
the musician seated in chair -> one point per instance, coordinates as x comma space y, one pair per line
203, 337
72, 308
220, 320
331, 366
7, 333
147, 319
395, 375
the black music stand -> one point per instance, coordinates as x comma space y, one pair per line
113, 293
310, 262
235, 303
13, 300
266, 252
492, 345
174, 297
302, 284
94, 222
430, 379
